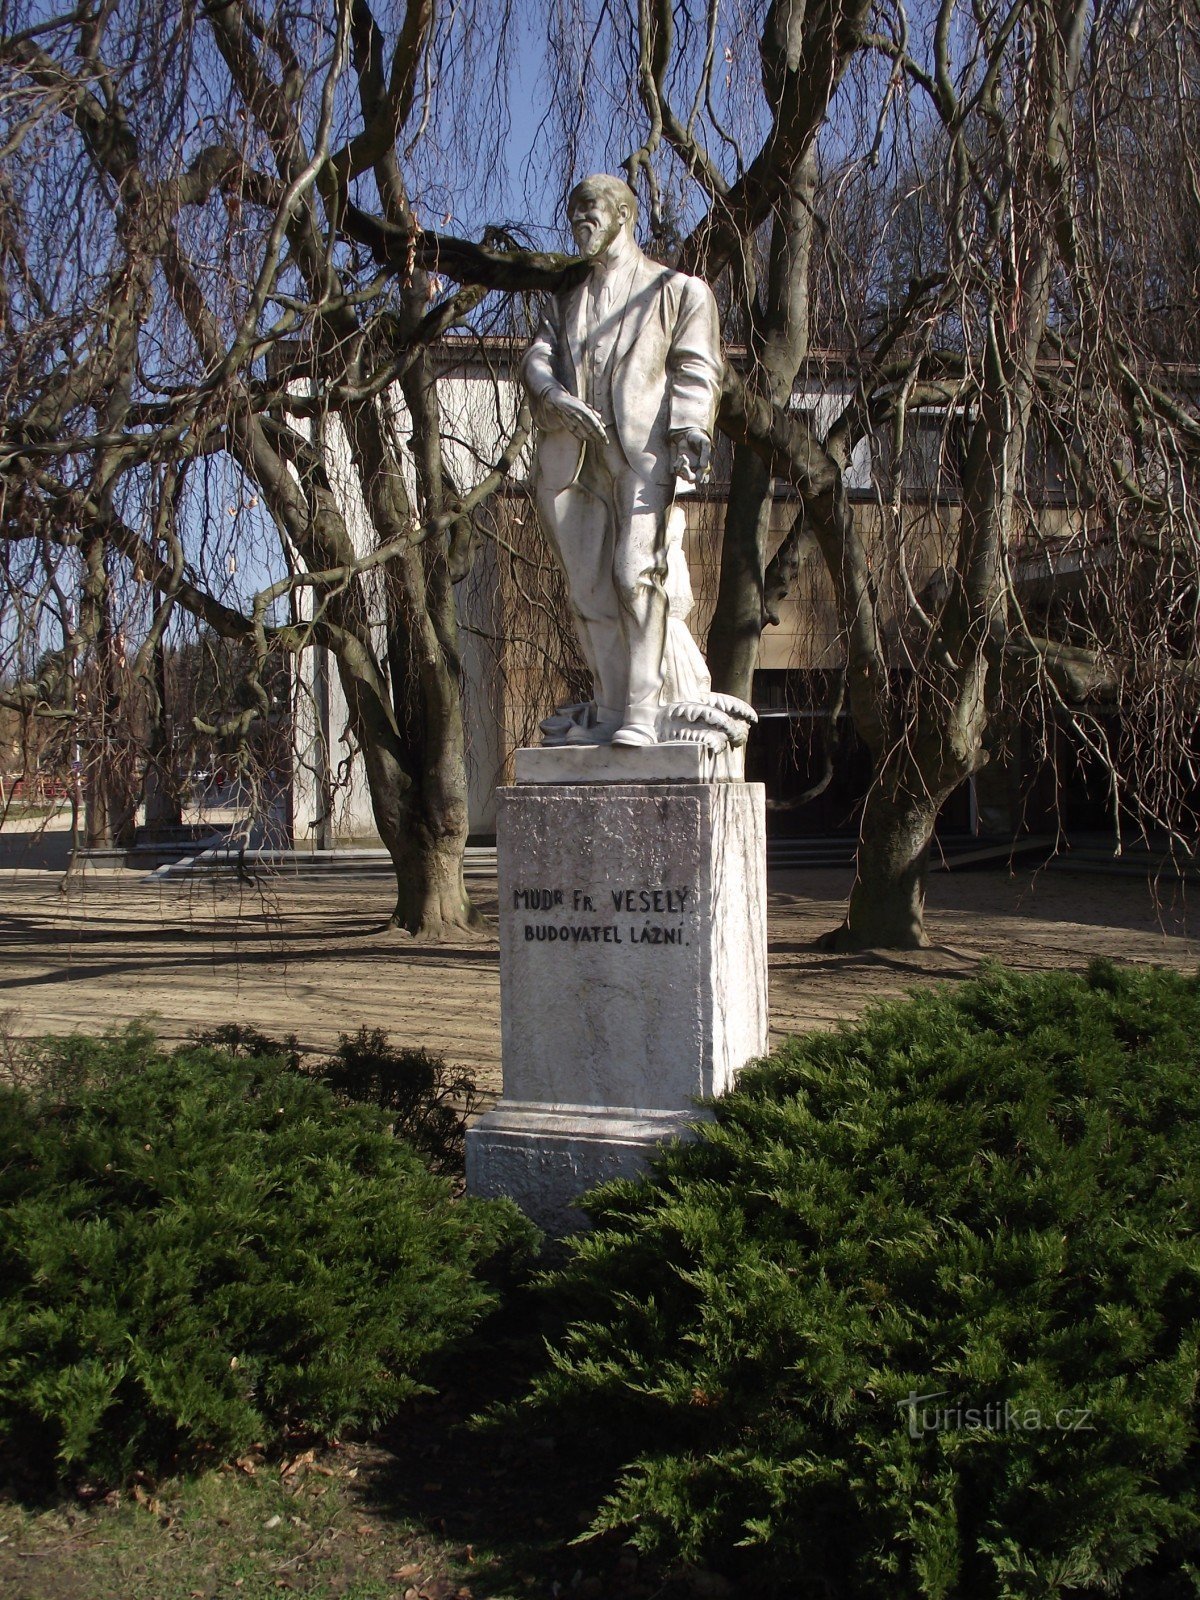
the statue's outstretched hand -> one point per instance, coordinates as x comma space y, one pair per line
567, 411
691, 454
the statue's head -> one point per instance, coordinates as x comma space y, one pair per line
598, 209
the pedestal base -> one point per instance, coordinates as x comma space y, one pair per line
544, 1157
633, 977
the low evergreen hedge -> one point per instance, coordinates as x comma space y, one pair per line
986, 1195
199, 1251
428, 1101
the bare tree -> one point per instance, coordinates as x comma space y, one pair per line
182, 312
948, 198
1009, 330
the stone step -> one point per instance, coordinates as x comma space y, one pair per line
214, 856
951, 853
479, 861
1129, 864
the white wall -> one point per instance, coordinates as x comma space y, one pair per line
478, 415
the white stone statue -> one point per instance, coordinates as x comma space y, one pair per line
625, 375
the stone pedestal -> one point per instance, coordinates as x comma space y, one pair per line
633, 968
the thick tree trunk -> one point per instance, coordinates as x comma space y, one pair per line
109, 783
432, 902
164, 807
110, 799
426, 671
444, 790
887, 902
423, 824
941, 744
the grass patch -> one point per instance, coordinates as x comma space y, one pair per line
255, 1531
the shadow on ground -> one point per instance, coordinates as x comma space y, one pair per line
511, 1499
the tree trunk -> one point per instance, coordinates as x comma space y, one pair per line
423, 825
887, 902
111, 804
426, 671
110, 819
431, 894
778, 345
739, 615
164, 807
424, 820
444, 788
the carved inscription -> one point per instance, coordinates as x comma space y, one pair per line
575, 905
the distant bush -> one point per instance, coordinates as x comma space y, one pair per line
428, 1102
986, 1197
199, 1251
243, 1039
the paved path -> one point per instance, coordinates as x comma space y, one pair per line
313, 957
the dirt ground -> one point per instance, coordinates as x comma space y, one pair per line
313, 957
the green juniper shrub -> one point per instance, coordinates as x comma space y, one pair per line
56, 1069
201, 1251
429, 1102
985, 1195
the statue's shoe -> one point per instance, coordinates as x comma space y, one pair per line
598, 733
634, 736
578, 725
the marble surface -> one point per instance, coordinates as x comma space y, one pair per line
633, 968
675, 762
624, 377
546, 1157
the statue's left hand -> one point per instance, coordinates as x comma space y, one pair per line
691, 454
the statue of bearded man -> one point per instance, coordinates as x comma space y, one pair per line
625, 376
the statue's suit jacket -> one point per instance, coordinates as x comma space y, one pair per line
665, 371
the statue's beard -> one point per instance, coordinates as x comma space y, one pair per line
598, 240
